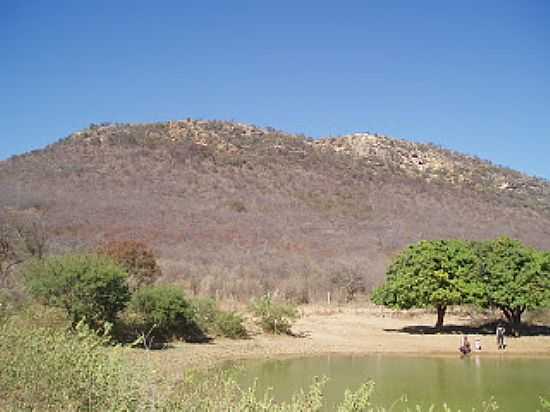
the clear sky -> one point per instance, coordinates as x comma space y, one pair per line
473, 76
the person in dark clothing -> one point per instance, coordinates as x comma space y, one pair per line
500, 332
465, 347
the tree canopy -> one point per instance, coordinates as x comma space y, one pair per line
88, 287
515, 277
434, 273
502, 273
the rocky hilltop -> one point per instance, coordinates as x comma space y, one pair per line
434, 163
426, 161
237, 209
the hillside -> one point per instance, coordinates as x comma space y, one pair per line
236, 209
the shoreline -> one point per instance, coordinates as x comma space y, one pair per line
342, 332
481, 354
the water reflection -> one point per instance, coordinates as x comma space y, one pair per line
462, 383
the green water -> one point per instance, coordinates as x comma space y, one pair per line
516, 383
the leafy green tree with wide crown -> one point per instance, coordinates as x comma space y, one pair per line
88, 287
436, 273
516, 278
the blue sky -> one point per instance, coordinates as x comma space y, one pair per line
473, 76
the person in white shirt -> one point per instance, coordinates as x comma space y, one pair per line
477, 344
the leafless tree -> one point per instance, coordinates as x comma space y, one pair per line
350, 281
32, 235
21, 238
8, 255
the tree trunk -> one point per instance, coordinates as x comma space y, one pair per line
440, 316
507, 314
516, 321
513, 316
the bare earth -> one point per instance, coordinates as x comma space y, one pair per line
358, 331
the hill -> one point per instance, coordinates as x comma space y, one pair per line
235, 209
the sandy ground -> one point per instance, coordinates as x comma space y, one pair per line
358, 331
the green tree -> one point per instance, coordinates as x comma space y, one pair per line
88, 287
516, 278
161, 313
435, 273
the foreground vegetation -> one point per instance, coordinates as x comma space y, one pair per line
60, 368
54, 369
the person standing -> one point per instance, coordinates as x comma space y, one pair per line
500, 336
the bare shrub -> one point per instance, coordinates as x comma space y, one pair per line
137, 258
22, 236
350, 282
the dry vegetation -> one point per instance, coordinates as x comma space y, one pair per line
234, 210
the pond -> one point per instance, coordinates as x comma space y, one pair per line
516, 383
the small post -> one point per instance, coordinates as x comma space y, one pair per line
328, 298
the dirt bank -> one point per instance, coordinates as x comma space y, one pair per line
345, 331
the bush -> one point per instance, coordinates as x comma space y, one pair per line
274, 317
8, 303
53, 369
217, 322
160, 313
206, 313
230, 325
221, 392
88, 287
138, 260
